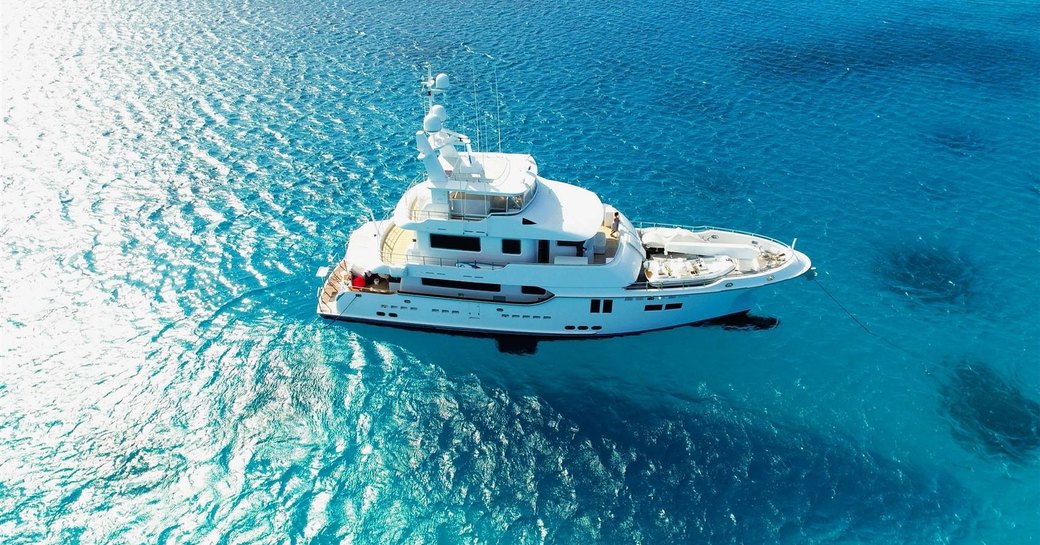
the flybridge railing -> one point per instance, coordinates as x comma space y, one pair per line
697, 229
417, 215
470, 206
405, 259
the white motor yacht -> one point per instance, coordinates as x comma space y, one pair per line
482, 243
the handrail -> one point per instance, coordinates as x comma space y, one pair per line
680, 284
389, 241
649, 224
417, 215
406, 259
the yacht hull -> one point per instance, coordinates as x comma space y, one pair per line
632, 311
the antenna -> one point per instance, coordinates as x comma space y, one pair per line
498, 110
476, 112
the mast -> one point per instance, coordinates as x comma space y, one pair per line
438, 145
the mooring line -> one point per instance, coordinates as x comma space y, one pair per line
816, 280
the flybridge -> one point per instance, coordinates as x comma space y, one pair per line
446, 154
461, 183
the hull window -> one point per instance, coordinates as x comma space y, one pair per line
457, 284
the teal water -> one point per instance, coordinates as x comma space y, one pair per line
172, 174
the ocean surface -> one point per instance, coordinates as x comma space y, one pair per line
172, 174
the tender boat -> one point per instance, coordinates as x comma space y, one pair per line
482, 243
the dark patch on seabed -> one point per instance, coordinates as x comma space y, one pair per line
963, 143
718, 475
988, 413
926, 272
979, 56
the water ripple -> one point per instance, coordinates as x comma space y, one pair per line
172, 175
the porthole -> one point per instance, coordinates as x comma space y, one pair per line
568, 327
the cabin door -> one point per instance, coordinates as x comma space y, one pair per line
543, 251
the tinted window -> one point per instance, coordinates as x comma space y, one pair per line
510, 246
479, 286
452, 242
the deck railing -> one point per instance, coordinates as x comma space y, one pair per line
401, 259
673, 284
695, 229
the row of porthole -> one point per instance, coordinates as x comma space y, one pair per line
381, 313
536, 317
445, 311
583, 327
401, 307
669, 306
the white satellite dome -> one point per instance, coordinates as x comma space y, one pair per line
441, 82
439, 112
431, 123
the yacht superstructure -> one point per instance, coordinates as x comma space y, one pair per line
483, 243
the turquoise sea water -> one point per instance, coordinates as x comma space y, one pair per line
173, 173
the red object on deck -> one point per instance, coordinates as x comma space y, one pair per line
358, 281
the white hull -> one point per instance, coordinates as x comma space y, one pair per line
631, 310
560, 316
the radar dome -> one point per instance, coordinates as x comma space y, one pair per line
441, 82
431, 123
439, 112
